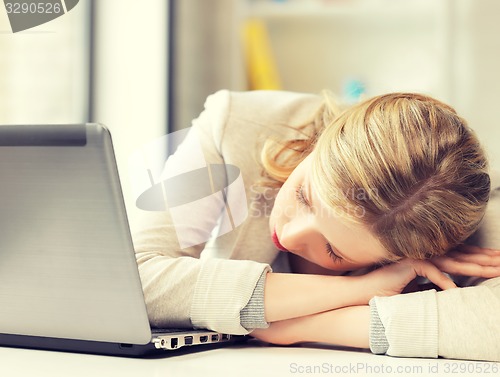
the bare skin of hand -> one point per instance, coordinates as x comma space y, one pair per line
470, 260
392, 279
349, 325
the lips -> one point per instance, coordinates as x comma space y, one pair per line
277, 242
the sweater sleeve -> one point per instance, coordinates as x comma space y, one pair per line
180, 289
458, 323
410, 324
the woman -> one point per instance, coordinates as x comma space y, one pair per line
399, 178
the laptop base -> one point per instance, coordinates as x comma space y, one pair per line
172, 344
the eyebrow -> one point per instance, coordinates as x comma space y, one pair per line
308, 197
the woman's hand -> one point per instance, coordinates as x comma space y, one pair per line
470, 260
392, 279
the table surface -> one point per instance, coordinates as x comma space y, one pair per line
249, 359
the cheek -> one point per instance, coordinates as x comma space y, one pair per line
277, 213
278, 202
284, 200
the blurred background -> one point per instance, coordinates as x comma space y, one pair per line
144, 68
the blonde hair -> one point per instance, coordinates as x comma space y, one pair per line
404, 165
280, 157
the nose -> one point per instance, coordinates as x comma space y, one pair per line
298, 233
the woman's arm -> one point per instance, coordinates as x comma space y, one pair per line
293, 295
455, 323
459, 323
343, 327
296, 295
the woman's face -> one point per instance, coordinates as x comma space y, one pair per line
302, 225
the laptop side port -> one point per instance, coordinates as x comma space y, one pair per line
167, 343
179, 340
174, 343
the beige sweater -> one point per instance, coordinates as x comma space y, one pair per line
183, 288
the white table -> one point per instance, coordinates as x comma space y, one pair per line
250, 359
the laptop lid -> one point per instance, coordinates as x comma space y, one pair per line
67, 264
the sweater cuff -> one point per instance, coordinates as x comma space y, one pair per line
223, 289
252, 316
411, 323
378, 341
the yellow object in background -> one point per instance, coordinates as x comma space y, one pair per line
261, 65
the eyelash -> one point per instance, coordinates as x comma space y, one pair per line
332, 254
299, 193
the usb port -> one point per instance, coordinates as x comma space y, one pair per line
188, 340
225, 337
203, 339
174, 343
215, 338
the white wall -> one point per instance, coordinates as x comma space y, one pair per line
130, 95
477, 78
44, 70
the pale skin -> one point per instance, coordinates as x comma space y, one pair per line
321, 306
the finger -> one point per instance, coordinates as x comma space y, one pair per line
481, 259
453, 266
472, 249
431, 272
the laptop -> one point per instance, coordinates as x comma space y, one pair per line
68, 275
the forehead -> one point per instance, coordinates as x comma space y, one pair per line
353, 240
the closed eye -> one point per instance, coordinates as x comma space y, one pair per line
301, 198
299, 194
332, 254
